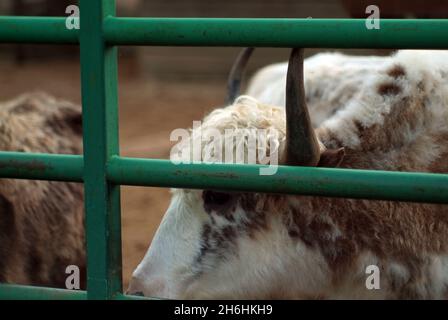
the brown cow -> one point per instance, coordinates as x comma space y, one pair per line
41, 222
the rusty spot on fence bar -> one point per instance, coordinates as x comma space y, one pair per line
33, 165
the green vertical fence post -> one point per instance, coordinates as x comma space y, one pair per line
100, 125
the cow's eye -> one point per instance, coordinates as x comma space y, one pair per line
215, 200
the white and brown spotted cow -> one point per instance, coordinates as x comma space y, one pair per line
41, 222
217, 244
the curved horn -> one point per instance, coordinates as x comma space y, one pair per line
236, 74
302, 146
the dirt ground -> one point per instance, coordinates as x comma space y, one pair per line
149, 111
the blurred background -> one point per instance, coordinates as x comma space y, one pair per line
164, 88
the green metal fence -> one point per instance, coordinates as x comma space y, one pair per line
103, 170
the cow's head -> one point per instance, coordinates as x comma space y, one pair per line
220, 244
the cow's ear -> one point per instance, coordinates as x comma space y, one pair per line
331, 158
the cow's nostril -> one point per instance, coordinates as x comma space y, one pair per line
147, 287
134, 293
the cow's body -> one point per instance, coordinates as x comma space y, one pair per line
392, 115
41, 222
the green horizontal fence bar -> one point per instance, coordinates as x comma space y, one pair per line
309, 33
306, 33
50, 30
20, 165
22, 292
347, 183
